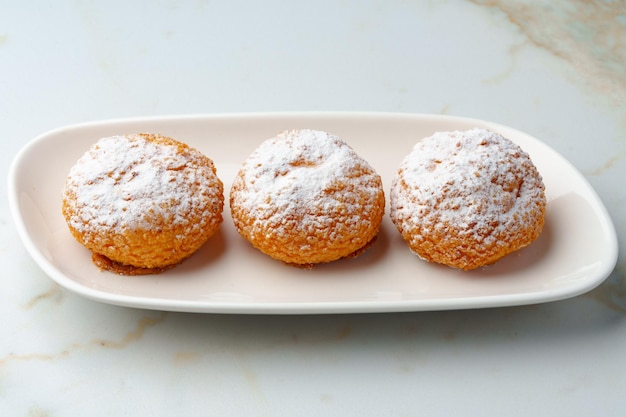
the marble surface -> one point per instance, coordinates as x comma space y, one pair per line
556, 70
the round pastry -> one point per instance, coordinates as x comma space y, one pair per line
305, 197
466, 199
142, 203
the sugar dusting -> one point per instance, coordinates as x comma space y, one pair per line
476, 182
125, 182
308, 175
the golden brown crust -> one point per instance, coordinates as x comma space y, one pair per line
467, 199
352, 255
142, 203
305, 197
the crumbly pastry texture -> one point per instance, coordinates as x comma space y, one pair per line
467, 198
142, 203
305, 197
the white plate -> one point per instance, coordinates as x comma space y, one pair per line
576, 251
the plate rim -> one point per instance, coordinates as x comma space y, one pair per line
323, 307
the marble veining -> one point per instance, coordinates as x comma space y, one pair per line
131, 336
589, 35
54, 293
612, 294
610, 163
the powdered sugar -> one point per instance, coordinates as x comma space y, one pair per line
476, 182
126, 182
307, 175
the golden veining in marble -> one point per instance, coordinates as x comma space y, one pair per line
184, 358
513, 51
53, 293
132, 336
589, 35
607, 165
612, 293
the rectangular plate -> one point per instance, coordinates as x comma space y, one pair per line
576, 251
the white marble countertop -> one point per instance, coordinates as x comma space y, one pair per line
556, 71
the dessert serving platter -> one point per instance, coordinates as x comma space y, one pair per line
576, 251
